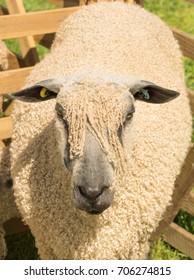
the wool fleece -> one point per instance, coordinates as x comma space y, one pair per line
116, 40
8, 207
7, 204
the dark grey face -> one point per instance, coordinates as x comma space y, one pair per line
92, 178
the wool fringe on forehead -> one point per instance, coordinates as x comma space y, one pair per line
101, 113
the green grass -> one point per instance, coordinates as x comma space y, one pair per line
2, 115
38, 5
176, 13
34, 5
189, 70
163, 251
185, 220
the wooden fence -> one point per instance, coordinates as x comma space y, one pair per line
29, 29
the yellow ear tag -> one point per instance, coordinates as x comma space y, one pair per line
44, 93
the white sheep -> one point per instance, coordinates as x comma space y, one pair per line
93, 149
7, 204
8, 207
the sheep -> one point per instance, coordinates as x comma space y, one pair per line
8, 207
101, 130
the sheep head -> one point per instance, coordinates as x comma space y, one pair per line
93, 113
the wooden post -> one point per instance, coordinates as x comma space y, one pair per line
27, 44
5, 127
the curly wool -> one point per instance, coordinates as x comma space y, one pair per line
4, 195
8, 207
111, 38
99, 111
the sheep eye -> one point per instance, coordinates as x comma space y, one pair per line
129, 117
44, 93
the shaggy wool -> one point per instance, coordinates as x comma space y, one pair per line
119, 40
7, 204
8, 207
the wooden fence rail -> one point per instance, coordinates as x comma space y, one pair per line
40, 27
21, 25
27, 44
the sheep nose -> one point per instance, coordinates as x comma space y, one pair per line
92, 200
91, 193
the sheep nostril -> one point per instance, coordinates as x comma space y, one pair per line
90, 194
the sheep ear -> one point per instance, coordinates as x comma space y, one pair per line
42, 91
151, 93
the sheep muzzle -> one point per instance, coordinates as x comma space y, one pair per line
94, 202
92, 178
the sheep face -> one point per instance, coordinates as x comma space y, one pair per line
90, 123
91, 120
92, 175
